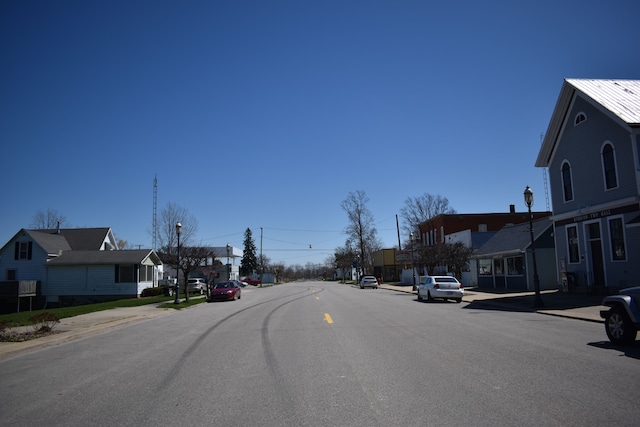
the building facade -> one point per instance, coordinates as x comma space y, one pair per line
591, 150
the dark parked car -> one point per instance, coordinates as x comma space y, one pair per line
225, 291
622, 320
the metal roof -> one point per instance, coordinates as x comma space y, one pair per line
621, 97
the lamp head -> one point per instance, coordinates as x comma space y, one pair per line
178, 228
528, 196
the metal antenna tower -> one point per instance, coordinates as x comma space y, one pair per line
544, 178
154, 224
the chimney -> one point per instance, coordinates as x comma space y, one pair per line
512, 208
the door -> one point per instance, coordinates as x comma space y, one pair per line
595, 254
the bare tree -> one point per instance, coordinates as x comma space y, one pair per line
417, 210
48, 220
361, 228
191, 258
278, 269
169, 216
455, 256
344, 257
168, 239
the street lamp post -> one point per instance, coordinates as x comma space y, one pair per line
413, 271
528, 200
178, 230
228, 264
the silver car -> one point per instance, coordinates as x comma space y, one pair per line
196, 286
368, 282
440, 287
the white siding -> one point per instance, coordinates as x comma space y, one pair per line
87, 280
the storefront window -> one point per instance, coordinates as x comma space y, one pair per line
515, 266
484, 267
498, 266
618, 250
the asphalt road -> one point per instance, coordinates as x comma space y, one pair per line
325, 354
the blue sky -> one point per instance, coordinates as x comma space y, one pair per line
266, 114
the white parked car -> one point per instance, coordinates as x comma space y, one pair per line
368, 282
440, 287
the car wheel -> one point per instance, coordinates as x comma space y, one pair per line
361, 287
239, 296
618, 326
419, 296
458, 300
429, 296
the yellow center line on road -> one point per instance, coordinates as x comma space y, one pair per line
328, 318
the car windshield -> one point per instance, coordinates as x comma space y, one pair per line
224, 285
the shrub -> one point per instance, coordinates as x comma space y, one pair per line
7, 330
152, 292
44, 322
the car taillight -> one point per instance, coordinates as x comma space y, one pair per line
436, 286
461, 286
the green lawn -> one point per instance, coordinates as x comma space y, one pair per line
22, 319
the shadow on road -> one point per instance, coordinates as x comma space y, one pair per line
632, 350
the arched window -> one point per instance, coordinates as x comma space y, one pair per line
567, 182
580, 117
609, 166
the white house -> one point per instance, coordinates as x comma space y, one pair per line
74, 265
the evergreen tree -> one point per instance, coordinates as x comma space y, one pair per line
249, 263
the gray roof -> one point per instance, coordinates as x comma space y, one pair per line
513, 238
77, 239
136, 256
620, 97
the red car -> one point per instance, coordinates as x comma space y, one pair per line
251, 281
224, 291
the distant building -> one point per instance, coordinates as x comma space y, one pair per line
473, 230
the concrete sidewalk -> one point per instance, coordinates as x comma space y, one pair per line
72, 328
556, 303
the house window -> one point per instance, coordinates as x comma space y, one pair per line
515, 266
484, 267
23, 250
572, 243
11, 274
146, 273
609, 167
618, 248
567, 182
580, 117
125, 273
